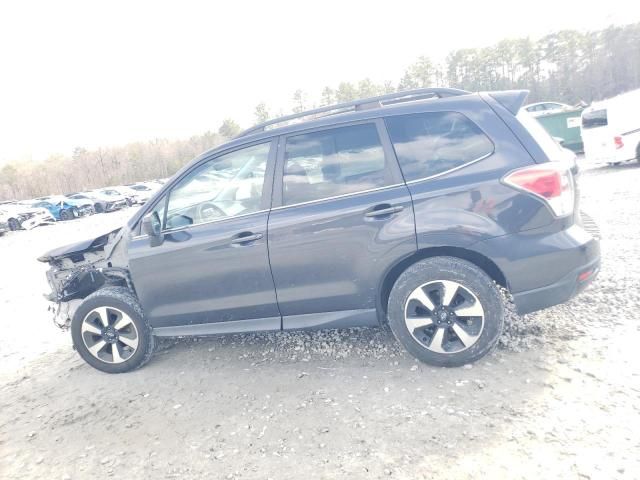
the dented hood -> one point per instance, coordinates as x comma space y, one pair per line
97, 243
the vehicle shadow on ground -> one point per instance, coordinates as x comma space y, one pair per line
334, 396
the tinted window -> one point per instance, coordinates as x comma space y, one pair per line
430, 143
597, 118
225, 186
333, 162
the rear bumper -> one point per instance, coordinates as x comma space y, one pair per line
558, 292
544, 268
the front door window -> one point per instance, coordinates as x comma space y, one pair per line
226, 186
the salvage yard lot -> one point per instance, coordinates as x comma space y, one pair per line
558, 399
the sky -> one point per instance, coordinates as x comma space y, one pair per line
90, 74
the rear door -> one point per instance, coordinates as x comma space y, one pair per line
211, 272
342, 218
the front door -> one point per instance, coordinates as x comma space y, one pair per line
211, 272
343, 218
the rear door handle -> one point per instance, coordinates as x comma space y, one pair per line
244, 238
383, 210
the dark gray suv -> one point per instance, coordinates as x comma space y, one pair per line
417, 208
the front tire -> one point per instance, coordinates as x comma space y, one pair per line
446, 311
110, 332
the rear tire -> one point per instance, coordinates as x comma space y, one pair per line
446, 311
110, 332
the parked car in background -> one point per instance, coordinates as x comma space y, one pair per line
102, 203
116, 196
63, 208
611, 129
145, 189
24, 216
543, 108
133, 196
415, 208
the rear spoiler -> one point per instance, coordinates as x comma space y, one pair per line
512, 100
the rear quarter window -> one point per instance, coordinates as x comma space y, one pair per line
431, 143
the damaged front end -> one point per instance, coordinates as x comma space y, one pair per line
79, 269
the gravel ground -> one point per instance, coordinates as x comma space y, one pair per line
560, 398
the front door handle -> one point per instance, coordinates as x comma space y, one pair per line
245, 238
383, 210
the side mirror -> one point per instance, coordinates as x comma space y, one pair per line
152, 226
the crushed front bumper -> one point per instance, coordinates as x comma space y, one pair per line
32, 221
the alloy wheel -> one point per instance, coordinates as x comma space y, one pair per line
444, 316
109, 334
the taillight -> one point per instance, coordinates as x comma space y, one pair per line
618, 142
550, 181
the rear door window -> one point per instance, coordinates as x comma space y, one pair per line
333, 162
594, 119
431, 143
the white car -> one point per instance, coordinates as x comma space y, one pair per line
611, 129
135, 197
24, 216
107, 202
115, 192
544, 108
101, 202
145, 189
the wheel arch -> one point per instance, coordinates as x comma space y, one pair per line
479, 260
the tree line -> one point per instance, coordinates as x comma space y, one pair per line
567, 66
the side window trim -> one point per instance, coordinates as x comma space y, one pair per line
392, 169
267, 186
451, 170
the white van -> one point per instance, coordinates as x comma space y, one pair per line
611, 129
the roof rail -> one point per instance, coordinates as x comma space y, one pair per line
362, 104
